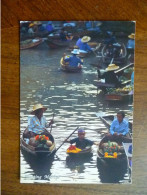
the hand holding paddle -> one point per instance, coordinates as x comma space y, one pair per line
66, 139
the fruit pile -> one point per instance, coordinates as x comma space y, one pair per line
73, 149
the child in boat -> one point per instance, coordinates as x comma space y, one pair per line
74, 61
81, 141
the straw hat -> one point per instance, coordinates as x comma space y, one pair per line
75, 51
37, 23
132, 36
37, 107
30, 25
85, 39
112, 67
98, 23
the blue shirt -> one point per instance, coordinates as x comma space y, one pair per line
120, 128
82, 144
131, 44
37, 126
132, 78
73, 61
78, 43
85, 47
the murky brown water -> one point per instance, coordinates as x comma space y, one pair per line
73, 98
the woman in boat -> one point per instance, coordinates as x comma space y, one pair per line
74, 61
84, 47
81, 141
37, 124
110, 76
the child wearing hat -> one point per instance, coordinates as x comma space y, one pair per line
74, 61
81, 141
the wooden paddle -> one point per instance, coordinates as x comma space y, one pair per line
51, 124
119, 70
66, 139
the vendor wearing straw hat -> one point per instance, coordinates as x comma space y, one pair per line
84, 47
74, 61
37, 124
131, 41
109, 75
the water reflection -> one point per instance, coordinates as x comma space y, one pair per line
73, 98
112, 173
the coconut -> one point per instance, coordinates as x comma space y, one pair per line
48, 143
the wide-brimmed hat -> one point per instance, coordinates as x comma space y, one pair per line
112, 67
85, 39
37, 23
75, 51
37, 107
98, 23
30, 25
132, 36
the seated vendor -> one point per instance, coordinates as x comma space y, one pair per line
84, 47
37, 124
63, 35
119, 130
81, 141
119, 126
74, 61
110, 76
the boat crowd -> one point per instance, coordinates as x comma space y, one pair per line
115, 82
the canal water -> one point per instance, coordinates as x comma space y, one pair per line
74, 101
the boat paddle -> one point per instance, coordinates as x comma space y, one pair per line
51, 124
65, 140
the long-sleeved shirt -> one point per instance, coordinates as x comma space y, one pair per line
85, 47
78, 43
73, 61
131, 44
132, 78
37, 126
110, 78
119, 128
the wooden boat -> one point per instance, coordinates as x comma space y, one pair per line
116, 60
64, 66
34, 35
107, 120
118, 97
30, 43
57, 43
129, 158
85, 152
38, 151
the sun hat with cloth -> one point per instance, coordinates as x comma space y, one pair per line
75, 51
85, 39
132, 36
112, 67
37, 107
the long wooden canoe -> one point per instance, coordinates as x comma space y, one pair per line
107, 120
30, 43
37, 151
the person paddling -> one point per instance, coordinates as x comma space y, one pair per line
81, 141
37, 124
74, 61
